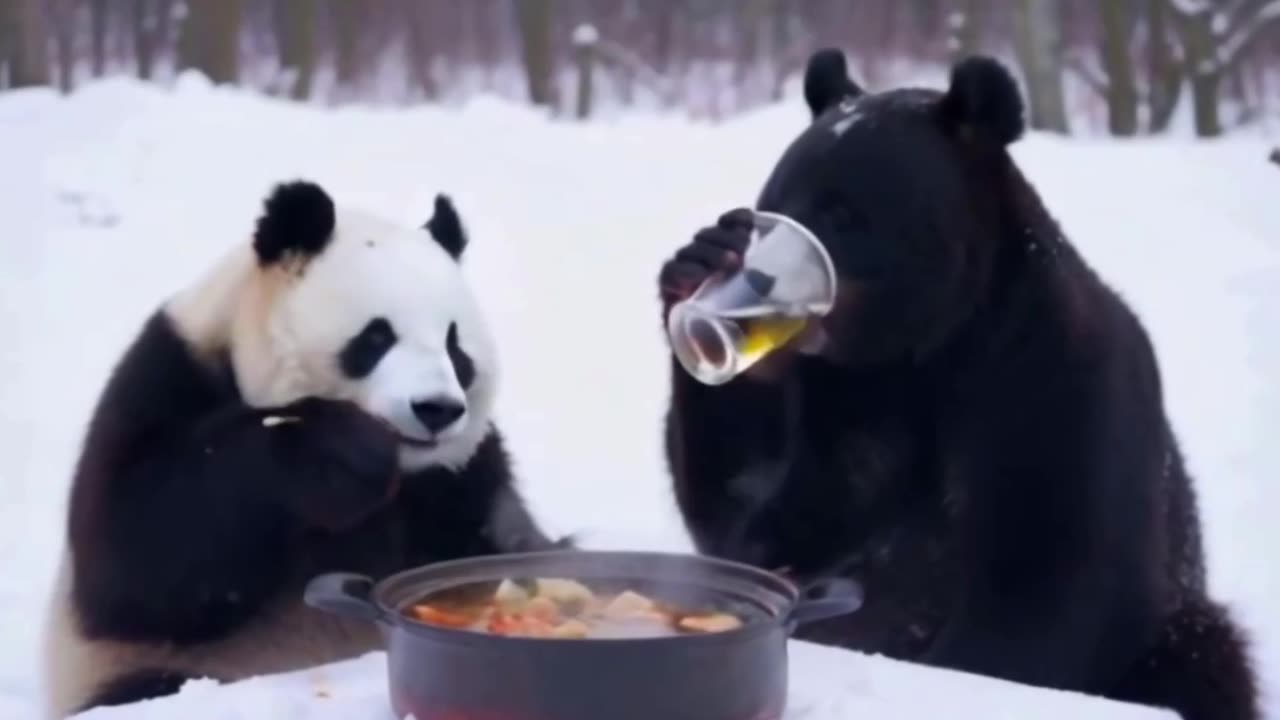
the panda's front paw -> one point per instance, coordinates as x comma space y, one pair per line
341, 464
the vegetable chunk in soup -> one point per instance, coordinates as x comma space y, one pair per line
558, 608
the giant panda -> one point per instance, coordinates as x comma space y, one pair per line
321, 400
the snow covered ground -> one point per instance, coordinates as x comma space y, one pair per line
116, 196
825, 684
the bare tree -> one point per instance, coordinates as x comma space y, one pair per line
1119, 18
150, 19
1163, 68
1038, 44
295, 22
1214, 38
62, 17
1118, 82
210, 39
22, 26
964, 28
418, 45
348, 24
713, 57
535, 18
98, 36
666, 16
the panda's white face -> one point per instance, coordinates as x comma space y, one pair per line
384, 317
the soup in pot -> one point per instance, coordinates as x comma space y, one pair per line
565, 609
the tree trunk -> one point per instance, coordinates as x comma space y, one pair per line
146, 25
748, 17
421, 54
62, 17
785, 55
535, 20
1118, 21
964, 28
486, 33
1038, 44
1162, 68
347, 22
98, 37
210, 39
1204, 73
296, 38
665, 20
26, 42
1204, 103
584, 46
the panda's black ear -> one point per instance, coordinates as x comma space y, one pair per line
297, 220
827, 81
984, 102
446, 227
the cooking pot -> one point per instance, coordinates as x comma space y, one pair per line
442, 673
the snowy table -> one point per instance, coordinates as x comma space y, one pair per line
826, 684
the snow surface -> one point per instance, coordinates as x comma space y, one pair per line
825, 684
120, 194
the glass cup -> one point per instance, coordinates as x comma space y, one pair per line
731, 322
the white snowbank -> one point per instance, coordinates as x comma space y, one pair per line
826, 684
117, 195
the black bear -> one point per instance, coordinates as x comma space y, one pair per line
976, 432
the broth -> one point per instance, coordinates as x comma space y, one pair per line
565, 609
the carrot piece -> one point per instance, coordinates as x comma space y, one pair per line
716, 622
523, 625
436, 616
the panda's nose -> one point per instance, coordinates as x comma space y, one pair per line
437, 413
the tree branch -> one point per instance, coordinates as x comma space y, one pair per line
1251, 20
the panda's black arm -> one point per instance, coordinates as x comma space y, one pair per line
1054, 533
476, 510
173, 538
713, 436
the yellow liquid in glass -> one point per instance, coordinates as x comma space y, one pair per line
762, 335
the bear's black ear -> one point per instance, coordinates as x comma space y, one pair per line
827, 81
984, 101
297, 219
446, 227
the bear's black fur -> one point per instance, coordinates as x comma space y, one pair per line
981, 440
189, 514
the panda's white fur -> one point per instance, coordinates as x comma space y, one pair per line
285, 637
283, 325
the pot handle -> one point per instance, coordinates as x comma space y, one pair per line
839, 596
343, 594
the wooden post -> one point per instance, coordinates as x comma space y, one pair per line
585, 38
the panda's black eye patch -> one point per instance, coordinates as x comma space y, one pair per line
463, 367
364, 351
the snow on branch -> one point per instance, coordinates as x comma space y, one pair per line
1231, 31
631, 62
1247, 29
